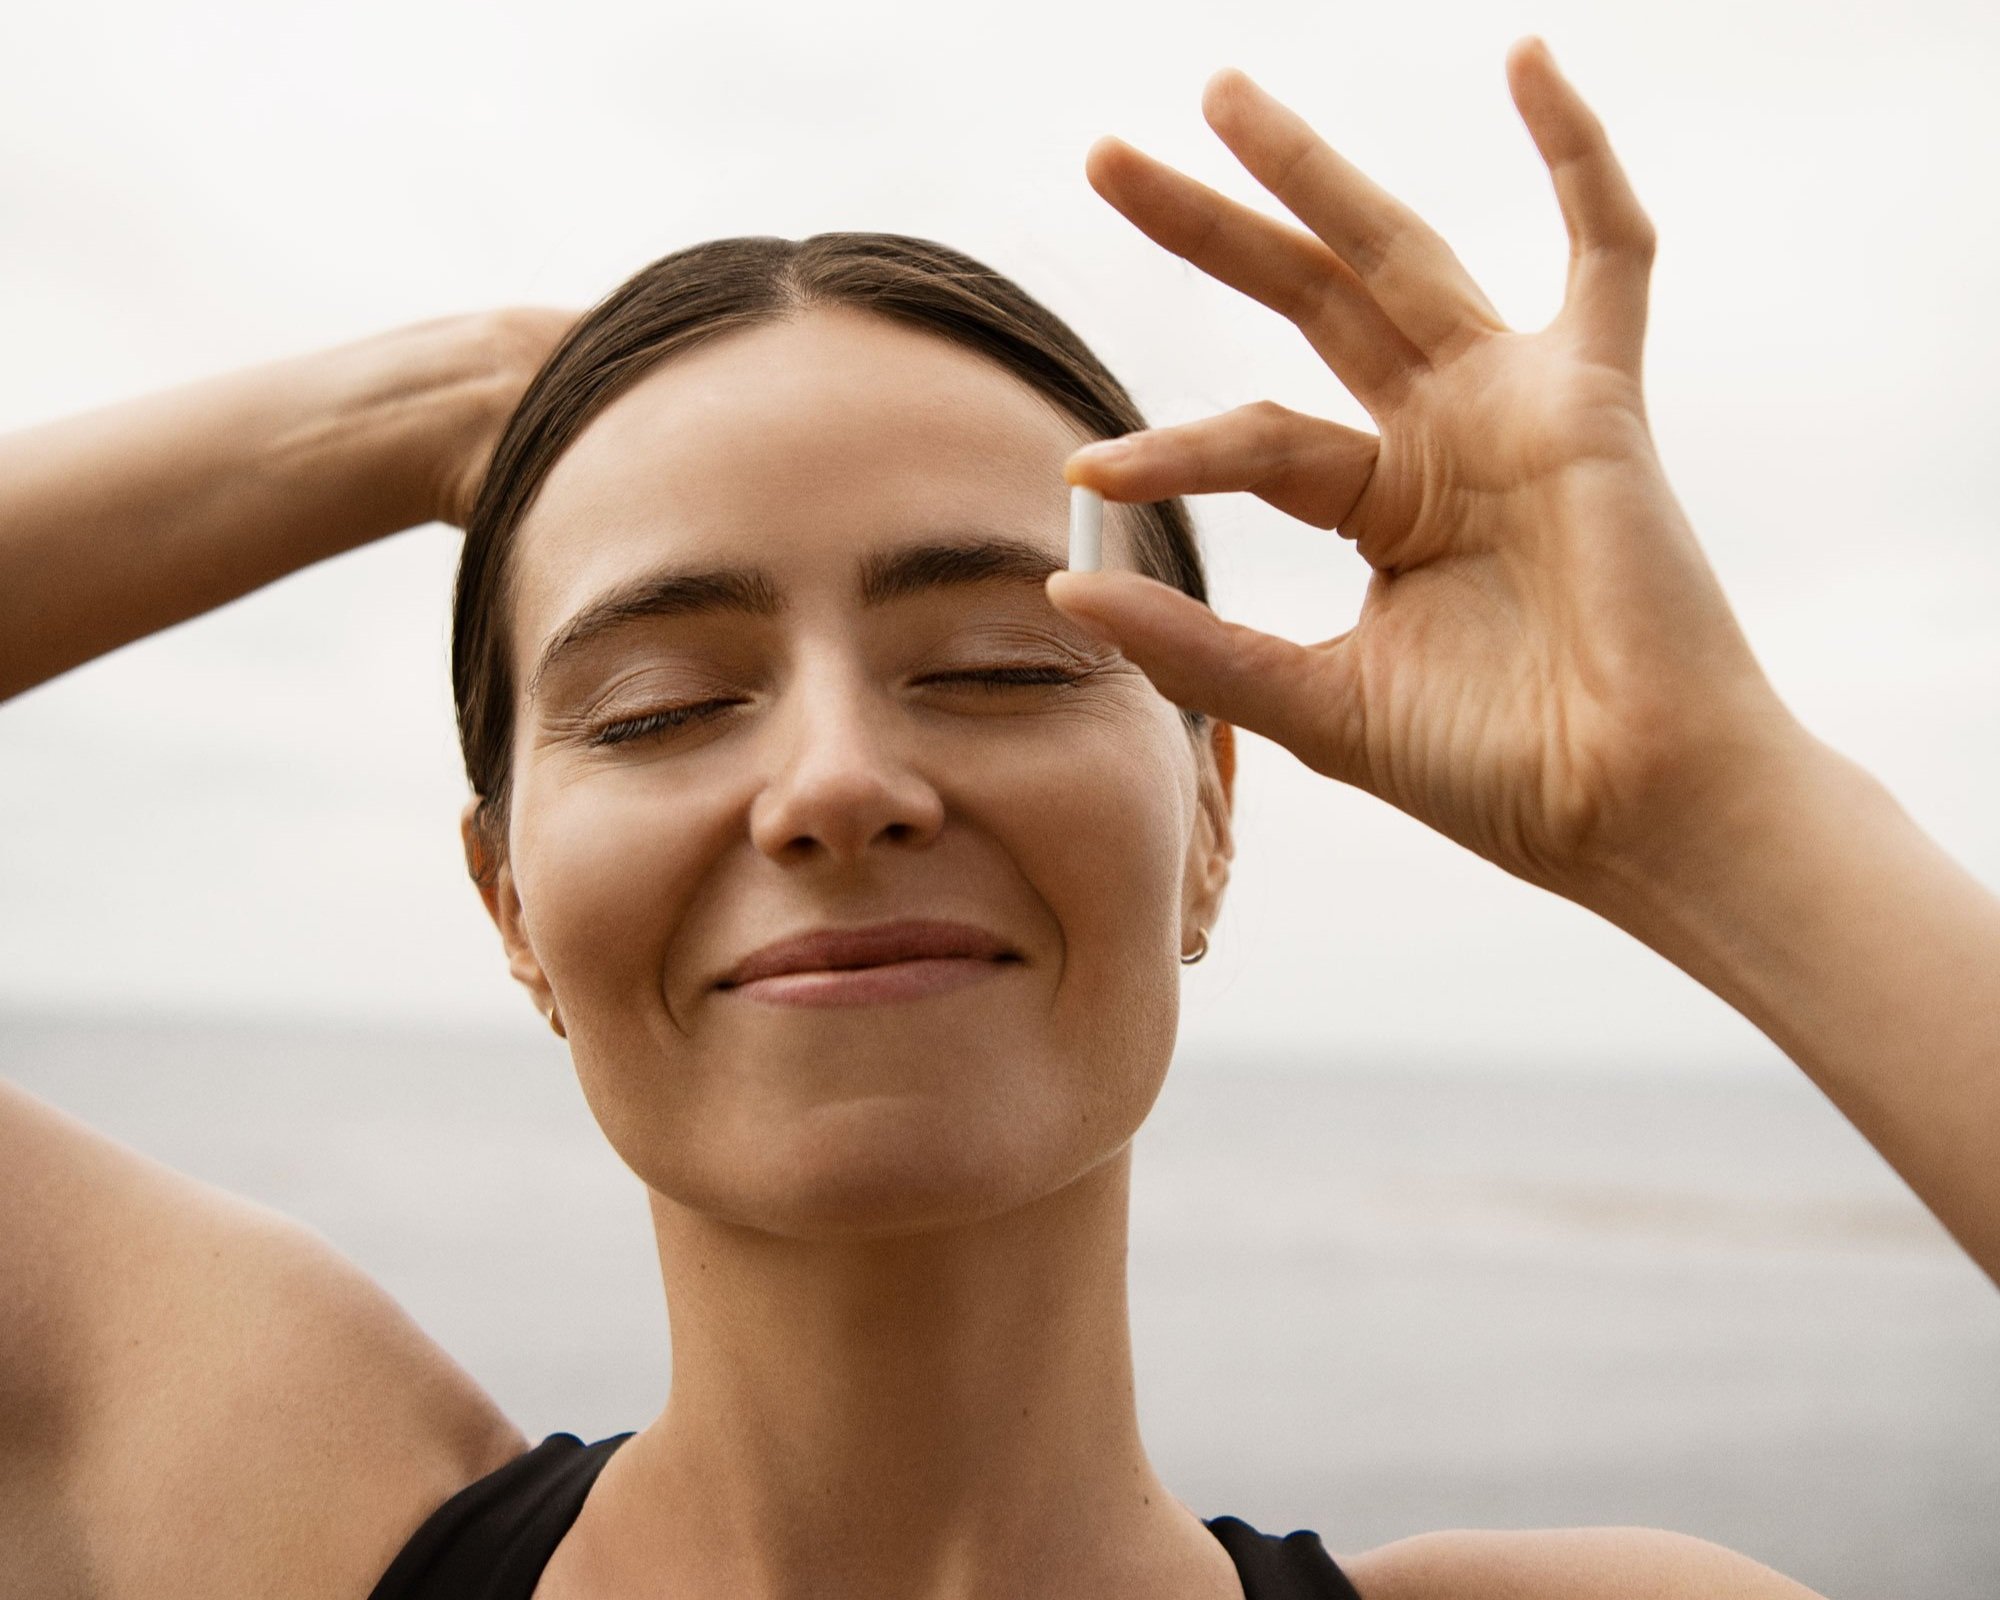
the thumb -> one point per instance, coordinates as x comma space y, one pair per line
1286, 692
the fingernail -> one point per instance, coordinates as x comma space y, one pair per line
1105, 450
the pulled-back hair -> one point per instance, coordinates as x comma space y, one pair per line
694, 295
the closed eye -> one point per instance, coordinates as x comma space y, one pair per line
1007, 677
988, 678
655, 722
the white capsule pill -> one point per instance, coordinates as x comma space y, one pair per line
1086, 529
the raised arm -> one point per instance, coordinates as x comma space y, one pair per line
1545, 668
1806, 897
173, 1358
119, 522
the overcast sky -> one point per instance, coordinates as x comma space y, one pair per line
257, 811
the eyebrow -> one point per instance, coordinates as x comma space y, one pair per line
883, 576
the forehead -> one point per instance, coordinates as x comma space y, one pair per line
793, 446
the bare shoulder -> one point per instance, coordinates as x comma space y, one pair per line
1564, 1564
208, 1398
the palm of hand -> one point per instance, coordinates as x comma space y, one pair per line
1541, 632
1544, 668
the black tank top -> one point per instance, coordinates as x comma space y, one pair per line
491, 1540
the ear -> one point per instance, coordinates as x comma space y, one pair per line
489, 869
1214, 842
1222, 741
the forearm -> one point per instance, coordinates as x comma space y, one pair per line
1815, 906
123, 521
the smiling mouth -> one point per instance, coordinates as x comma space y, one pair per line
866, 966
876, 983
833, 949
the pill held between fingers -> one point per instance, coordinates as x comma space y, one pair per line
1086, 529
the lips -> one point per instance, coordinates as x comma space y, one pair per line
833, 949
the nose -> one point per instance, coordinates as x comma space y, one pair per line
844, 783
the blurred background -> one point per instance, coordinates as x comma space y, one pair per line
1461, 1208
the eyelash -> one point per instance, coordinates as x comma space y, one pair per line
657, 722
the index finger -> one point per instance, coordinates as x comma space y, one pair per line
1272, 262
1411, 272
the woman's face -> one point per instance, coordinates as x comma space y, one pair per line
779, 725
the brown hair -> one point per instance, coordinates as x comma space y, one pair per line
693, 295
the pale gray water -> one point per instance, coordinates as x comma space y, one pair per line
1370, 1302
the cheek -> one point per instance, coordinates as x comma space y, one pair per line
1099, 827
607, 873
606, 870
1104, 826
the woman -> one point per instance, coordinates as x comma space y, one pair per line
853, 848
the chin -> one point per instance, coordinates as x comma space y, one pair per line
883, 1167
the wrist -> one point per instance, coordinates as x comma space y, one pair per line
493, 356
424, 405
433, 396
1743, 852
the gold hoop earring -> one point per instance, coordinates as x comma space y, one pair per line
555, 1022
1200, 949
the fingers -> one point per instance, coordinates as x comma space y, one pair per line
1278, 265
1611, 239
1307, 467
1409, 270
1255, 680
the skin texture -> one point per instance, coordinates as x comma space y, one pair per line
892, 1235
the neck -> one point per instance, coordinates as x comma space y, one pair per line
942, 1415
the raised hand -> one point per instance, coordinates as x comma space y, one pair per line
1545, 668
118, 522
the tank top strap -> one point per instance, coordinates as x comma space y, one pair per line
1292, 1566
492, 1540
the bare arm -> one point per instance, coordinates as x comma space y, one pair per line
1813, 904
1565, 1564
125, 520
197, 1394
149, 1325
